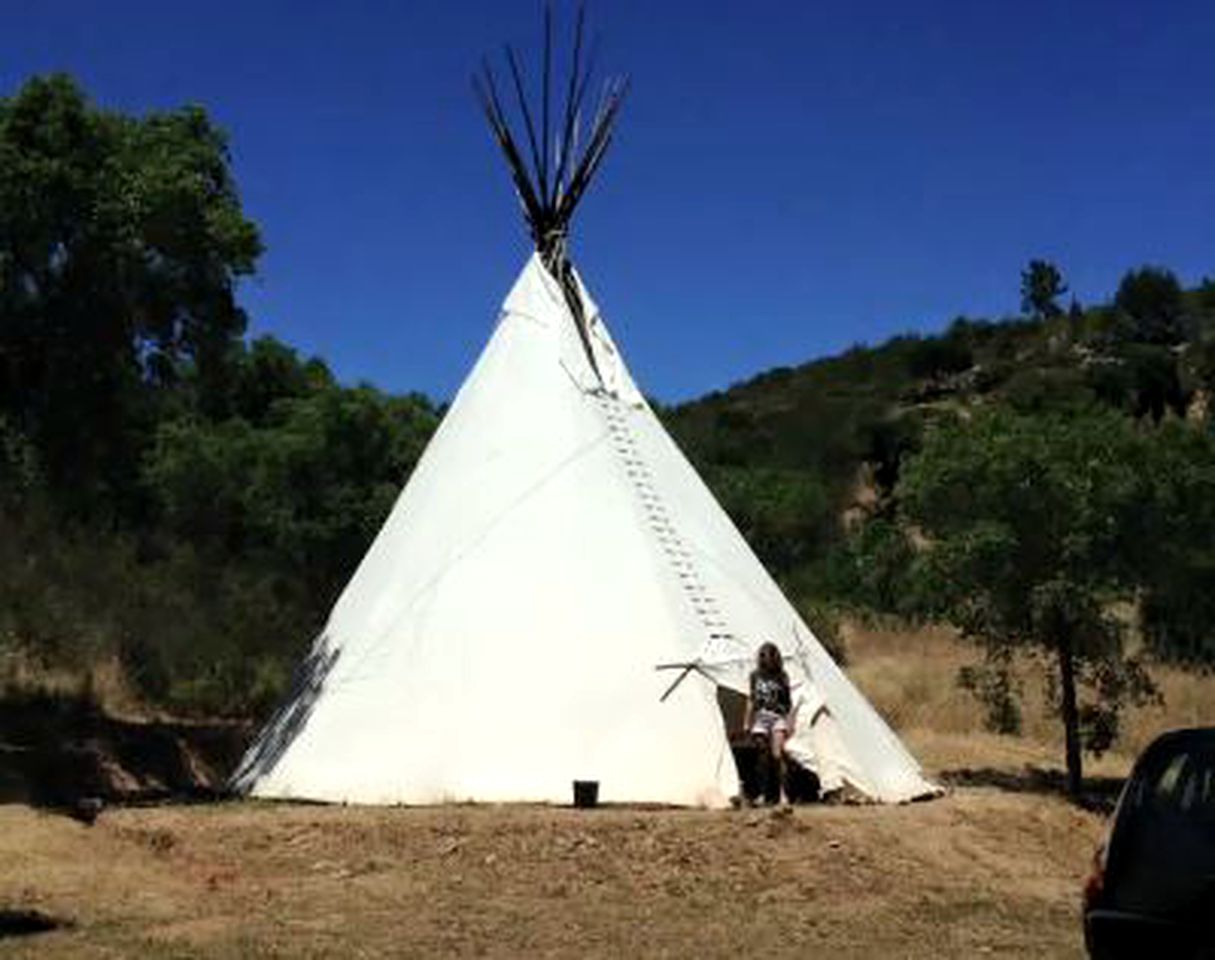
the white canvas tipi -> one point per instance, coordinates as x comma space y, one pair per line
552, 566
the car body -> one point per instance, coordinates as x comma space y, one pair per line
1152, 890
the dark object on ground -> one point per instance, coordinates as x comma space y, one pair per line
1152, 889
24, 923
586, 794
759, 782
801, 785
86, 810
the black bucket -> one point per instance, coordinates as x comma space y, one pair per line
586, 794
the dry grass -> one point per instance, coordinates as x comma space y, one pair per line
977, 873
911, 677
19, 672
103, 683
981, 872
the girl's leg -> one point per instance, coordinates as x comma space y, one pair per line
778, 761
763, 766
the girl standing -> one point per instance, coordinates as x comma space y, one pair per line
769, 715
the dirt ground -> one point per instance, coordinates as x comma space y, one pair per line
994, 868
980, 872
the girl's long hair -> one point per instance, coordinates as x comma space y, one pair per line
770, 662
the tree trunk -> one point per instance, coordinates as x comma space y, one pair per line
1071, 716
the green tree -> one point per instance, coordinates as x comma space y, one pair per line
267, 372
887, 443
1200, 363
939, 356
1178, 554
1142, 379
1033, 525
871, 569
786, 515
305, 491
1041, 287
121, 242
1205, 296
1075, 314
1151, 298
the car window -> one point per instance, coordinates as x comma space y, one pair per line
1164, 792
1182, 783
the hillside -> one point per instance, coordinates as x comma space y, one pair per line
843, 424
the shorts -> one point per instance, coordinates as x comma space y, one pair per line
768, 722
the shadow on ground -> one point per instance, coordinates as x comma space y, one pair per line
1100, 794
56, 751
25, 923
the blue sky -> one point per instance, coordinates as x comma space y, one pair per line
789, 177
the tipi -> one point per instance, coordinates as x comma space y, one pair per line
555, 595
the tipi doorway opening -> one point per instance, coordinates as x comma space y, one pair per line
756, 779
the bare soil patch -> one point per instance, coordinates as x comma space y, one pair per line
980, 872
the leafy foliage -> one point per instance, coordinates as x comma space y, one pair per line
872, 570
784, 514
170, 495
1037, 525
1152, 298
1041, 287
310, 486
121, 241
1176, 557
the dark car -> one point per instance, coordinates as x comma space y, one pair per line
1152, 890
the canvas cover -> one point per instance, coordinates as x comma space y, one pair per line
553, 565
